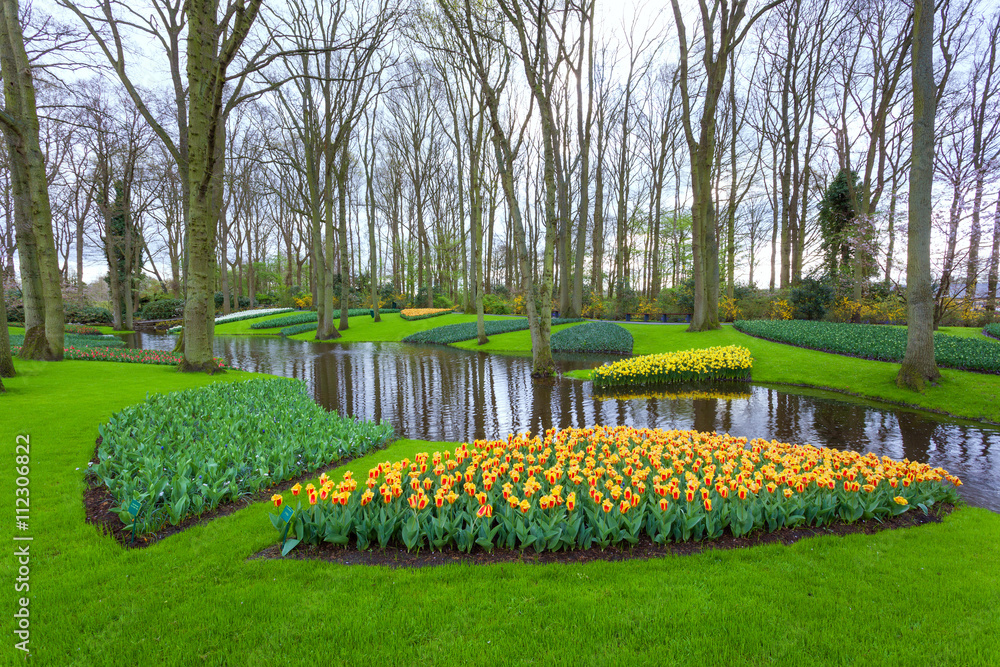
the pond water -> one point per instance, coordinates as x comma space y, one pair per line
442, 393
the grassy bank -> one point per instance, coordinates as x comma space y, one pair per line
194, 598
967, 395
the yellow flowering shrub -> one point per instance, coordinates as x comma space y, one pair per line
780, 309
845, 309
305, 301
731, 362
594, 308
579, 488
518, 305
729, 310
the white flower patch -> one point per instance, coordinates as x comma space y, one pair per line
242, 315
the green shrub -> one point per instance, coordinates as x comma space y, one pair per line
874, 341
606, 337
454, 333
184, 453
811, 299
441, 301
494, 304
74, 313
162, 309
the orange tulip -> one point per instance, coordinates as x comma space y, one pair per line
296, 489
708, 504
277, 500
664, 503
571, 502
606, 506
525, 506
366, 497
624, 507
422, 502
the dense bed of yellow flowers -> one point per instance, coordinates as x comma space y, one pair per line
603, 485
731, 362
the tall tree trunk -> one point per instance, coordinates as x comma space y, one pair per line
6, 359
19, 121
345, 263
206, 72
919, 365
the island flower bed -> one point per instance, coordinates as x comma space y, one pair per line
424, 313
602, 486
731, 362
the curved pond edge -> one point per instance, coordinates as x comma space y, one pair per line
819, 391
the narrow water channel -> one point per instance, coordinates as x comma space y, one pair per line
441, 393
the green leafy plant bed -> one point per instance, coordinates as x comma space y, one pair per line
992, 331
181, 454
602, 337
312, 316
601, 487
874, 341
455, 333
77, 340
299, 328
731, 362
286, 321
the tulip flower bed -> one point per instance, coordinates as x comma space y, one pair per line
123, 355
81, 330
184, 453
456, 333
423, 313
731, 362
600, 337
604, 486
77, 340
874, 341
242, 315
286, 321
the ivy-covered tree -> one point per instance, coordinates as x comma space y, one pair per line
836, 222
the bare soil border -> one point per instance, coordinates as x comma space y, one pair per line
399, 557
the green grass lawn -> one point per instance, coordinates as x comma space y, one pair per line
925, 595
960, 393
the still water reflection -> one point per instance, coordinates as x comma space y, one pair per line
439, 393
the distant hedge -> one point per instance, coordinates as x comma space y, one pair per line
600, 337
454, 333
74, 314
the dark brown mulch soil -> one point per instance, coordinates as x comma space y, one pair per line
644, 550
98, 502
